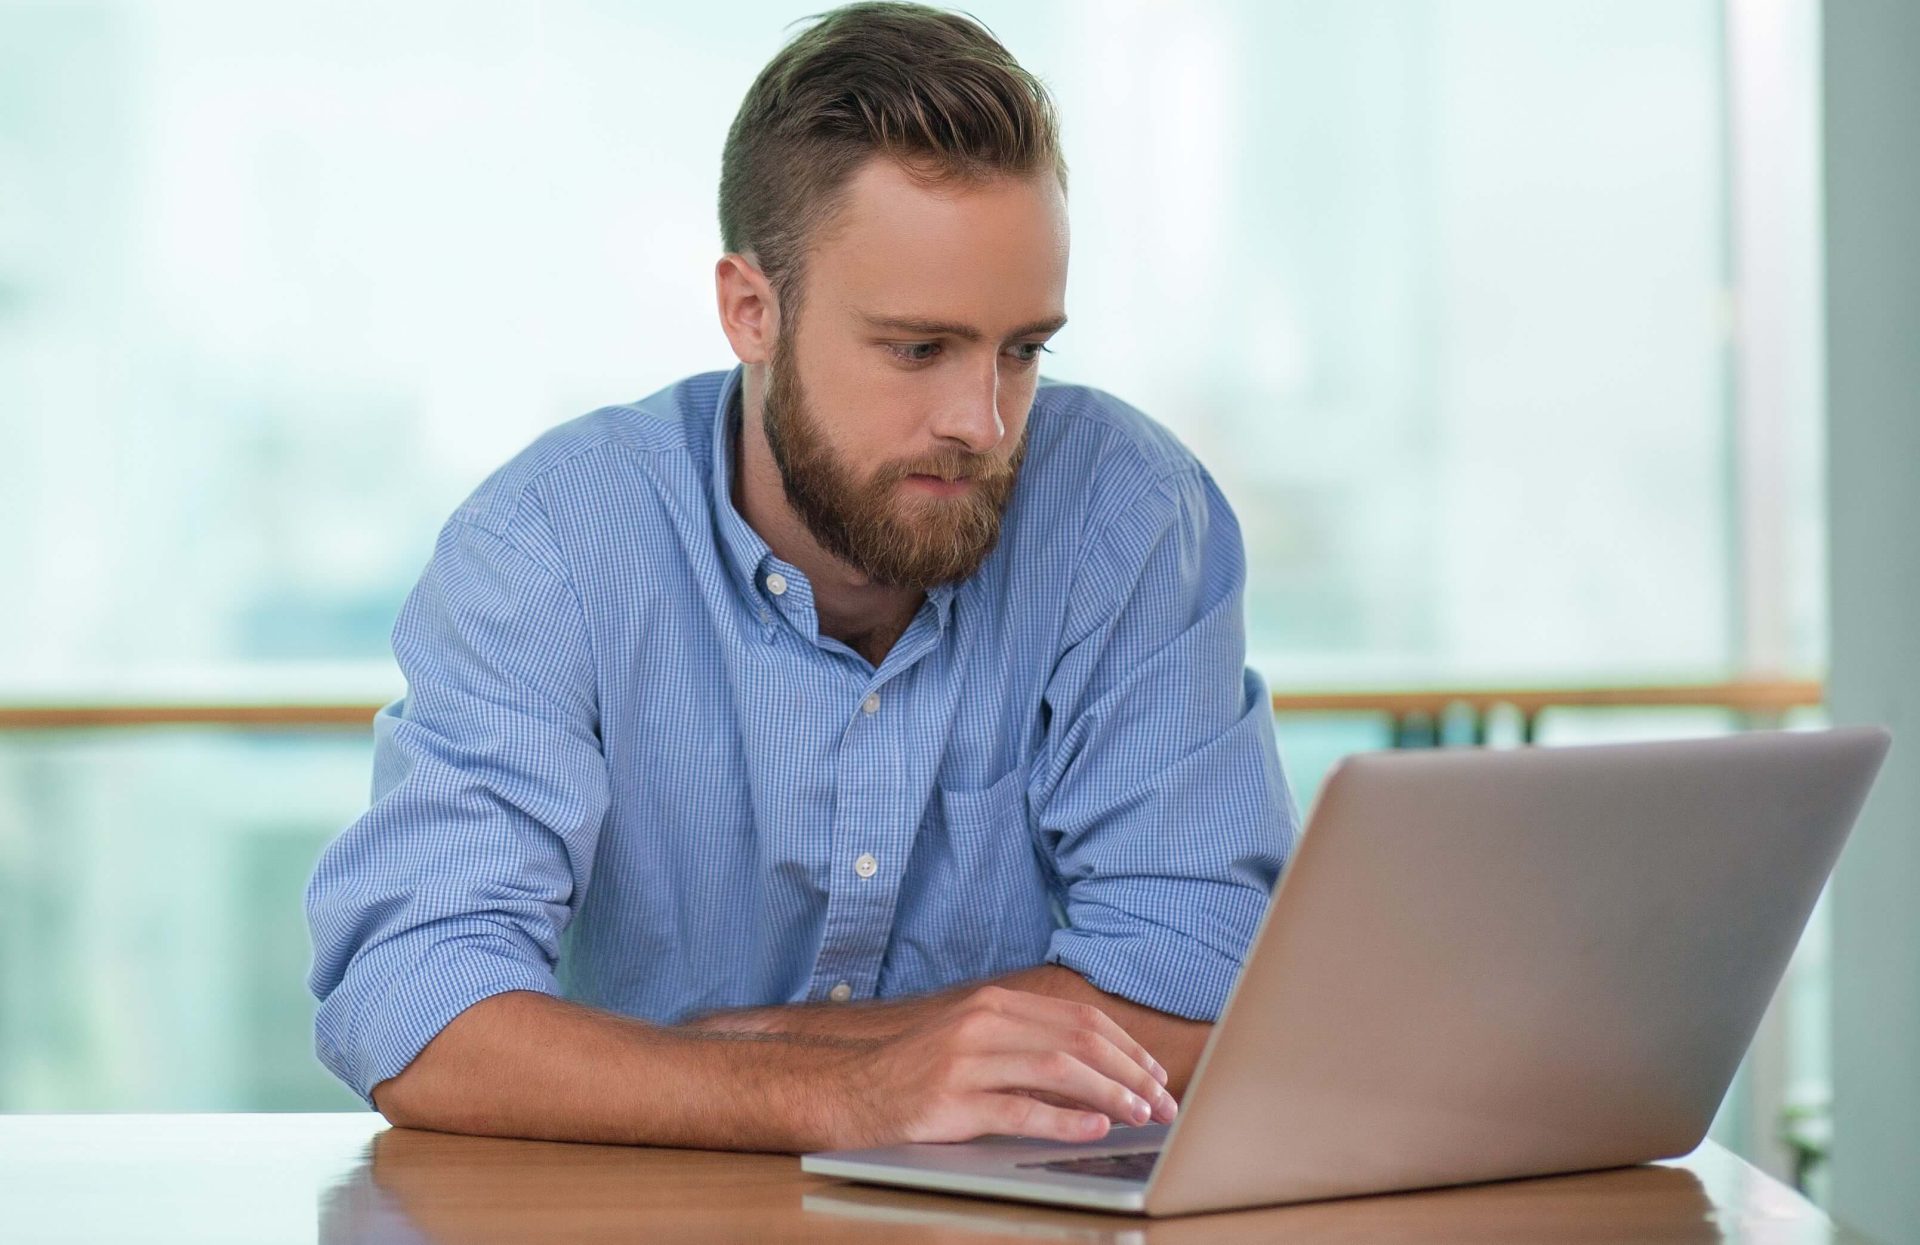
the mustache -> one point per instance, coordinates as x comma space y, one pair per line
958, 465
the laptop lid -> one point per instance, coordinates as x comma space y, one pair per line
1487, 964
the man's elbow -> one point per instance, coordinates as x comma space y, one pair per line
397, 1097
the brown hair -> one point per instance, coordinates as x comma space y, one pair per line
931, 89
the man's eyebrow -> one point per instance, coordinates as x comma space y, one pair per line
924, 327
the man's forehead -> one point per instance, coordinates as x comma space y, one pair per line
884, 190
990, 256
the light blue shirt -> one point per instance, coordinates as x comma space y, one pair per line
630, 769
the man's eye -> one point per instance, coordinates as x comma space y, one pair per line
1026, 354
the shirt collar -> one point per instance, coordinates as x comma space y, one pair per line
745, 550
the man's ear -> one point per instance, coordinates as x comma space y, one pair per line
749, 312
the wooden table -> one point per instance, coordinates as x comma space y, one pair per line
348, 1177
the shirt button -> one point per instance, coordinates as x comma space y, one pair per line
840, 993
776, 583
865, 865
871, 704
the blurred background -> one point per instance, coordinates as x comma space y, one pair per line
1499, 322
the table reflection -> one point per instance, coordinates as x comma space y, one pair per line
414, 1186
1668, 1204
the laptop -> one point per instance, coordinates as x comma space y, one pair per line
1479, 965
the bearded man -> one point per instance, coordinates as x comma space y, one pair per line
852, 747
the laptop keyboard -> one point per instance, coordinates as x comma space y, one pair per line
1133, 1166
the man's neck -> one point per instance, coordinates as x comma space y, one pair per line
865, 616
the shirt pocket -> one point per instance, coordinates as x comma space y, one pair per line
996, 885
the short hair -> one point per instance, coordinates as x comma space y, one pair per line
932, 89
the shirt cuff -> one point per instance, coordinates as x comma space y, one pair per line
1153, 966
410, 994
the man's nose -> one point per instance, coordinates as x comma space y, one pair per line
972, 416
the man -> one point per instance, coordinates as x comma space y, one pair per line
869, 722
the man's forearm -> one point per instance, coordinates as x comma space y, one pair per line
523, 1064
1174, 1040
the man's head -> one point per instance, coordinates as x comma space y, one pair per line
892, 202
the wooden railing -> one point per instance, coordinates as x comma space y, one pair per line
299, 717
1415, 714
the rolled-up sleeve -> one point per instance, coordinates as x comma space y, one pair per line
489, 791
1159, 789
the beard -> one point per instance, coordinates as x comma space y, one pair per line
895, 540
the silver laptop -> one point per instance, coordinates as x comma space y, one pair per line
1479, 965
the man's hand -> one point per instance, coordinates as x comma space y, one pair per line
1175, 1040
1002, 1061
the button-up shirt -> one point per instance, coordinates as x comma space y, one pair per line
630, 769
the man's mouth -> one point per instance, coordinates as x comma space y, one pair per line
941, 484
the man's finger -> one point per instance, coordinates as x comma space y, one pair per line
1061, 1074
1068, 1014
1025, 1116
1099, 1054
